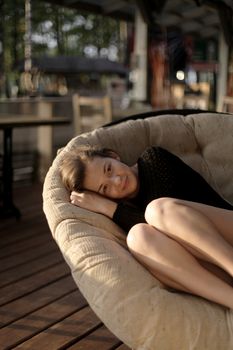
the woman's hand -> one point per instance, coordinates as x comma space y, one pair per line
94, 202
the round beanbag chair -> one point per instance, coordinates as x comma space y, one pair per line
135, 306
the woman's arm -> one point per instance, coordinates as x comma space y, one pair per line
94, 202
123, 214
127, 215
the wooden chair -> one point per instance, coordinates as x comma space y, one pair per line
194, 101
198, 101
226, 104
90, 112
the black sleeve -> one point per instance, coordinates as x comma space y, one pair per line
127, 215
188, 184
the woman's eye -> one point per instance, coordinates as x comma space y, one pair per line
109, 168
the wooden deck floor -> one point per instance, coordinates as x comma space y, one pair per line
40, 305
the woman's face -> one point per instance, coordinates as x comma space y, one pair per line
111, 178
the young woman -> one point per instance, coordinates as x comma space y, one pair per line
178, 227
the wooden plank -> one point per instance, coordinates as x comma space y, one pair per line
29, 200
28, 269
28, 255
26, 222
32, 283
24, 245
101, 338
13, 236
35, 300
27, 197
40, 320
44, 309
61, 334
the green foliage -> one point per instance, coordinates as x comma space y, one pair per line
55, 30
67, 31
12, 32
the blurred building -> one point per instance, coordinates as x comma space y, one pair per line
180, 48
56, 76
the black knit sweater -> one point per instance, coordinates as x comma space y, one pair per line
162, 174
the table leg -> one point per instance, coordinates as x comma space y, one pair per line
8, 208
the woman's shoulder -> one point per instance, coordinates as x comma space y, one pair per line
161, 160
155, 151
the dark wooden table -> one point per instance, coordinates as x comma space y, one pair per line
7, 124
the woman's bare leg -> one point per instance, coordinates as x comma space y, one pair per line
204, 230
173, 265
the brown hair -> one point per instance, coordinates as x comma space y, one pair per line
73, 165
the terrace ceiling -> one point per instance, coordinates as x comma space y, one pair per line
202, 18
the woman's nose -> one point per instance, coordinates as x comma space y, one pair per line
116, 180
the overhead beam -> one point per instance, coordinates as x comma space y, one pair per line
146, 10
195, 12
209, 32
191, 26
169, 19
71, 2
112, 5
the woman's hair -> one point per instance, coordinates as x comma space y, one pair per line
73, 165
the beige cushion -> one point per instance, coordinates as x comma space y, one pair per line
126, 297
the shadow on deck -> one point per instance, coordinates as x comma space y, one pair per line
40, 305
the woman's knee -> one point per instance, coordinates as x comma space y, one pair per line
137, 237
147, 244
158, 209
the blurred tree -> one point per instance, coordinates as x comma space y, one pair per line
55, 31
2, 83
59, 30
12, 42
